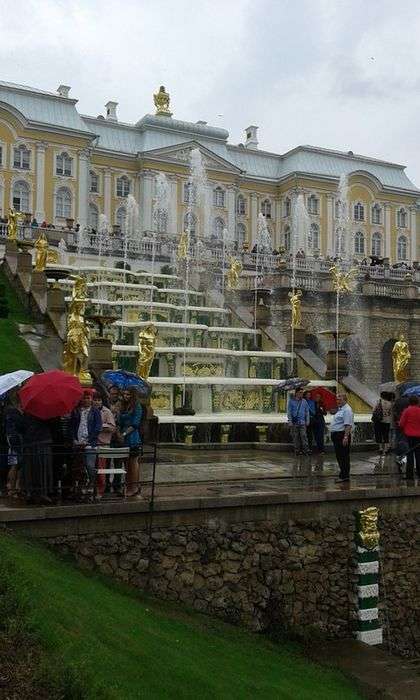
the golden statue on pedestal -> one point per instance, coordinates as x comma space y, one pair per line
400, 358
182, 251
343, 281
12, 224
146, 344
41, 253
234, 272
296, 304
368, 534
161, 100
76, 347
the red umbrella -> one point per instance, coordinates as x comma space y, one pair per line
328, 398
51, 394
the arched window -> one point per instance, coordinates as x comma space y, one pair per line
240, 205
359, 243
340, 241
218, 226
160, 217
359, 212
123, 186
287, 205
121, 217
240, 235
376, 214
218, 197
93, 216
21, 157
190, 193
377, 244
402, 248
63, 203
313, 204
93, 182
313, 238
63, 164
402, 218
287, 238
190, 223
266, 208
20, 196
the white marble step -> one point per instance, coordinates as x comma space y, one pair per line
219, 352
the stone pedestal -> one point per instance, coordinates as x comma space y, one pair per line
11, 253
100, 355
342, 364
189, 433
55, 300
224, 433
299, 339
263, 314
24, 269
39, 282
262, 432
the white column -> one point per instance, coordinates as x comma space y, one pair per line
146, 195
173, 205
107, 196
330, 225
413, 227
231, 211
387, 240
40, 183
254, 217
83, 188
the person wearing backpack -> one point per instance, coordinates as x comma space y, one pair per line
381, 418
298, 417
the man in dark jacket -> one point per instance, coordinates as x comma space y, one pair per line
86, 424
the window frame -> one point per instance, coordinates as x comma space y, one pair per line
359, 237
376, 237
123, 219
240, 210
315, 210
266, 208
23, 150
218, 228
219, 197
402, 238
95, 174
122, 191
402, 212
287, 207
63, 190
62, 171
376, 208
28, 194
359, 211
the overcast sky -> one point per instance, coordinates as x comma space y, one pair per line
333, 73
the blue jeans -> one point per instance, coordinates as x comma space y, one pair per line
90, 462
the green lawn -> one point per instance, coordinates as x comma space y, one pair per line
15, 353
118, 644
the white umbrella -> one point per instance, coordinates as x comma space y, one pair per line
13, 379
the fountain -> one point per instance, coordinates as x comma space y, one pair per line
298, 243
160, 215
130, 232
263, 248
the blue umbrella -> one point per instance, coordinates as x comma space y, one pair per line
123, 380
412, 390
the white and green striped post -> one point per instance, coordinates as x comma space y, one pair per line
368, 629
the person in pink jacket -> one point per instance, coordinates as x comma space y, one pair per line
104, 437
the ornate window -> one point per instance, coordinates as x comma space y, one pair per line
402, 218
93, 216
313, 204
287, 205
123, 186
218, 197
20, 196
287, 238
359, 212
218, 226
266, 208
63, 202
93, 182
313, 238
240, 205
190, 223
22, 157
402, 248
240, 234
340, 241
377, 244
359, 243
121, 217
63, 164
190, 193
376, 214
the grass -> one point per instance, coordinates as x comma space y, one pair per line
15, 353
111, 643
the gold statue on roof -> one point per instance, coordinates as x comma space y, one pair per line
343, 281
146, 344
401, 356
162, 100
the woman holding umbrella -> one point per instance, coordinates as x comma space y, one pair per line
129, 420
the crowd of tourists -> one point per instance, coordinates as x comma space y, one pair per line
396, 423
43, 460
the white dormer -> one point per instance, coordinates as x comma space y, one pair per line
111, 111
63, 90
251, 140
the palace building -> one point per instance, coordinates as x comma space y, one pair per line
58, 164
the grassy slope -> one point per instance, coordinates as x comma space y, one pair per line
14, 351
124, 646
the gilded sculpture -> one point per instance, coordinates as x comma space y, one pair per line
41, 253
343, 282
182, 251
400, 358
146, 345
162, 100
368, 534
234, 272
12, 224
76, 347
296, 304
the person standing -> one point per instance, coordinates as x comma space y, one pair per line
298, 417
410, 425
318, 423
104, 437
129, 420
381, 418
86, 425
341, 429
310, 427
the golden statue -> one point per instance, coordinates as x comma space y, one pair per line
147, 344
182, 251
234, 272
400, 357
296, 304
12, 224
368, 534
343, 281
41, 253
76, 347
161, 100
